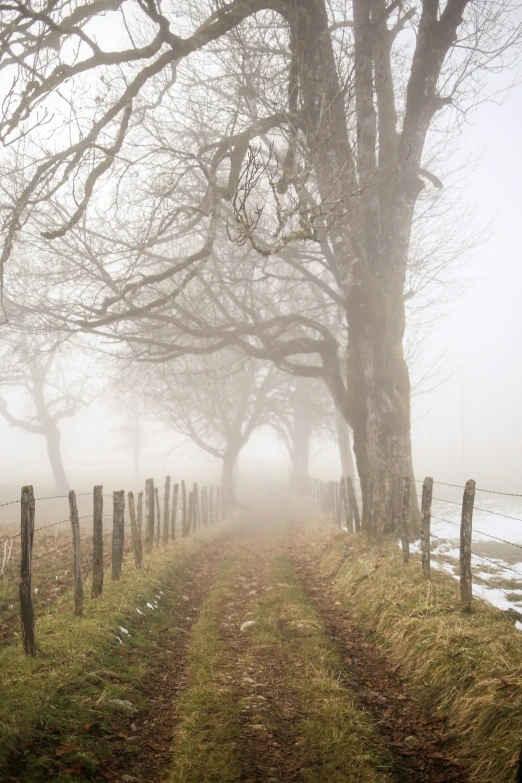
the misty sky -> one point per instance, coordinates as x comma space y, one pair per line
471, 426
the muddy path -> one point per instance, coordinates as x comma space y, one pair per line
304, 696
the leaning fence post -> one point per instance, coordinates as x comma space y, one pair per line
136, 539
118, 530
174, 511
149, 513
427, 493
184, 530
77, 554
466, 590
211, 505
166, 514
26, 546
219, 507
97, 542
404, 519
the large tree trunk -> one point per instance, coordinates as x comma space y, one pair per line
370, 242
53, 437
380, 395
228, 482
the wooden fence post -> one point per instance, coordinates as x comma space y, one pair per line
118, 532
404, 519
195, 518
149, 513
174, 511
190, 513
466, 589
184, 530
427, 493
136, 538
140, 514
97, 541
166, 511
219, 508
205, 515
26, 550
77, 554
158, 515
211, 505
353, 504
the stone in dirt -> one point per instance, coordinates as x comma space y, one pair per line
122, 704
248, 624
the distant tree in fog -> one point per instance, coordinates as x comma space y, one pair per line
216, 403
42, 387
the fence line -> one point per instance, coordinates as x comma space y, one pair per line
84, 551
332, 500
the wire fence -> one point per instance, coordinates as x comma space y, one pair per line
58, 558
469, 565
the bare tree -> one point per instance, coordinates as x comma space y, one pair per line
356, 90
45, 394
217, 404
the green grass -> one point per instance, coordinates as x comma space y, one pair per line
334, 739
315, 718
208, 717
56, 708
467, 668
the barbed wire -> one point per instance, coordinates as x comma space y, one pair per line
9, 503
490, 585
440, 560
482, 532
477, 508
496, 492
59, 497
477, 489
495, 563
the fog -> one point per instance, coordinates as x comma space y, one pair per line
469, 425
466, 419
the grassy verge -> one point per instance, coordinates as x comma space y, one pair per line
57, 713
468, 668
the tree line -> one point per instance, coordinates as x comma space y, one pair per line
242, 203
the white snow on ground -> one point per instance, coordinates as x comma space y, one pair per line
489, 525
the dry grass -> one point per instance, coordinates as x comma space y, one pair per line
468, 668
